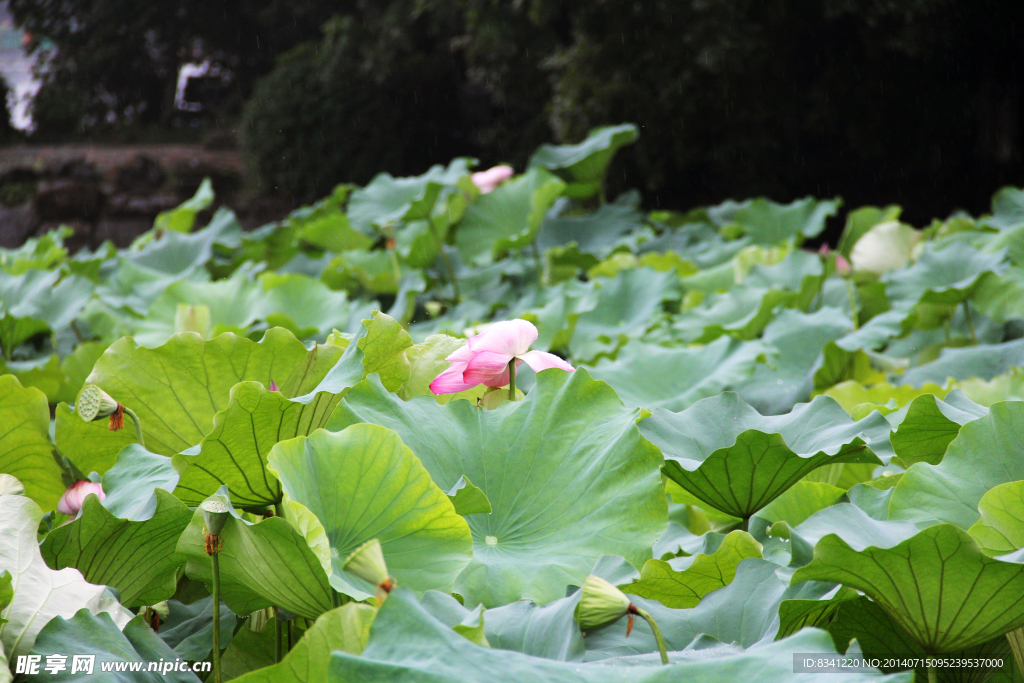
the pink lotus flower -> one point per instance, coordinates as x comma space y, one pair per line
485, 358
842, 265
491, 178
71, 502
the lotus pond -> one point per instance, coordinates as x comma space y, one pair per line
463, 427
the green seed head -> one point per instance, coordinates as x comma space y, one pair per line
367, 562
600, 603
94, 404
215, 514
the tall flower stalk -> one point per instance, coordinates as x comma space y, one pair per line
215, 514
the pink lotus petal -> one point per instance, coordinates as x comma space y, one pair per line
509, 338
488, 367
71, 502
273, 387
842, 265
460, 355
487, 180
450, 381
539, 360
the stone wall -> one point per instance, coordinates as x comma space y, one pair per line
115, 192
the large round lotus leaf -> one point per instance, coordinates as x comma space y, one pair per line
568, 476
364, 483
177, 388
25, 449
986, 453
736, 460
1001, 527
937, 585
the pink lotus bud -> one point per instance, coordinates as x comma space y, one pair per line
492, 177
71, 502
842, 265
273, 387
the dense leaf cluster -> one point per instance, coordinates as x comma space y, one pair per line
769, 450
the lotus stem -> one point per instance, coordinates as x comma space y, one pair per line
646, 616
512, 380
214, 557
1016, 638
933, 675
277, 635
138, 425
970, 323
853, 304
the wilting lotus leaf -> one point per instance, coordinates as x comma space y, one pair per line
364, 483
568, 476
725, 453
937, 585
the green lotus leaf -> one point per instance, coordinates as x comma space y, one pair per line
40, 594
250, 651
800, 501
850, 522
651, 376
768, 223
183, 217
852, 394
364, 483
625, 307
235, 452
507, 218
984, 362
388, 200
25, 448
38, 301
555, 311
725, 453
1007, 208
683, 589
799, 337
345, 629
427, 361
262, 564
584, 165
592, 236
942, 276
1000, 529
880, 637
98, 635
91, 446
743, 612
982, 456
305, 306
839, 365
937, 585
174, 253
188, 629
797, 614
548, 631
929, 426
328, 228
999, 296
742, 312
136, 557
177, 388
567, 474
132, 482
468, 499
43, 373
75, 368
406, 640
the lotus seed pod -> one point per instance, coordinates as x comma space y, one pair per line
367, 562
600, 603
93, 403
215, 514
11, 486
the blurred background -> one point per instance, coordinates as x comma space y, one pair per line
118, 108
